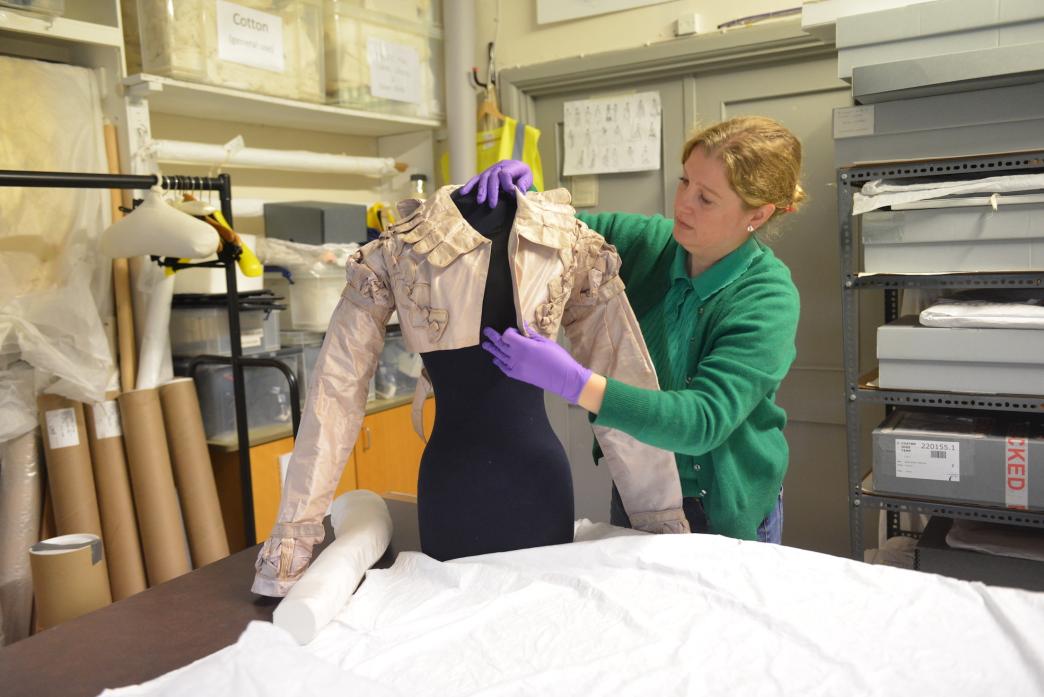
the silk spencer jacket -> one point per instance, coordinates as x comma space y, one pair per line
431, 267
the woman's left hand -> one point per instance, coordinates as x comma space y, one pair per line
538, 361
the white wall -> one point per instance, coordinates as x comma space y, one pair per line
522, 41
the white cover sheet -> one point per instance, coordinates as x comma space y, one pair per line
978, 313
644, 615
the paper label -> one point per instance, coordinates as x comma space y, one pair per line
106, 420
853, 121
251, 339
249, 37
928, 459
1016, 485
395, 71
61, 428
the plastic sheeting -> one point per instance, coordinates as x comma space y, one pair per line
880, 193
21, 497
314, 260
979, 313
645, 615
55, 289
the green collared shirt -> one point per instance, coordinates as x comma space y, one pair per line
721, 343
683, 326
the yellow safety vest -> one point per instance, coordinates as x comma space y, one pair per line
507, 142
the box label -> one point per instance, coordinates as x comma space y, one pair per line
853, 121
106, 420
252, 339
395, 71
1016, 485
250, 37
61, 428
928, 459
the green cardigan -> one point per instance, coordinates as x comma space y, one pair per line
721, 343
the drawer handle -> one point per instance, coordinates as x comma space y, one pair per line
369, 438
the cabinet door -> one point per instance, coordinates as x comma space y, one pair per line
388, 450
265, 481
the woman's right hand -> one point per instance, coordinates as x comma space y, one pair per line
506, 176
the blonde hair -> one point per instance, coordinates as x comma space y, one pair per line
762, 160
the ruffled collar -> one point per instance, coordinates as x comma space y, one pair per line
437, 230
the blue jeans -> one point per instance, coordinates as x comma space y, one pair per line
770, 530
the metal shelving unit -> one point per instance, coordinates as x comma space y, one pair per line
860, 391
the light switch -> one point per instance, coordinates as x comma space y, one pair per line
584, 189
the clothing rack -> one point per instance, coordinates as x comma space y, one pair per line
226, 258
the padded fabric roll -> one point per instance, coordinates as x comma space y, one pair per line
193, 472
68, 459
69, 578
363, 529
21, 501
152, 480
119, 527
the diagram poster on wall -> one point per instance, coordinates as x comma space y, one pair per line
612, 134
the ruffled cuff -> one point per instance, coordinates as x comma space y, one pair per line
672, 521
284, 558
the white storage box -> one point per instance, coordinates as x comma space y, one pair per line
204, 330
381, 61
272, 47
210, 281
953, 239
990, 361
939, 28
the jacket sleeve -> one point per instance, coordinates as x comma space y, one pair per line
605, 337
332, 417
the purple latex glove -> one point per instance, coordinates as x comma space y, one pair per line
538, 361
502, 176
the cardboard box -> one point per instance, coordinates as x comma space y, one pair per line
316, 222
986, 361
986, 458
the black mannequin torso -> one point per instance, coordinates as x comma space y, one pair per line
494, 476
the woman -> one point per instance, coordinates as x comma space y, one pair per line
718, 312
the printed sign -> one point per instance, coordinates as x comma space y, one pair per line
395, 71
614, 134
250, 37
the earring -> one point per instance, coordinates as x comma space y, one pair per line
750, 228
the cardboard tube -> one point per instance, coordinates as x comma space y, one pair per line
193, 471
119, 528
69, 578
21, 494
68, 460
121, 276
155, 498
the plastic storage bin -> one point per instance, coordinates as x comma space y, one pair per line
272, 47
198, 330
267, 394
314, 295
397, 368
384, 61
47, 7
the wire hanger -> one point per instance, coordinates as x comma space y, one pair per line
489, 111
